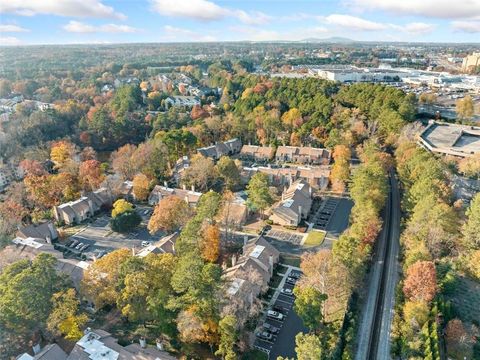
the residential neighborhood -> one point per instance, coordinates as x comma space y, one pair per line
209, 180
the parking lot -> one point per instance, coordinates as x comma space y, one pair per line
282, 342
333, 216
97, 238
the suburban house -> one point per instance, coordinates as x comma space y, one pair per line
165, 245
215, 152
99, 345
29, 248
235, 213
191, 197
74, 212
100, 198
182, 101
316, 176
294, 206
451, 139
49, 352
45, 231
303, 155
260, 257
257, 153
180, 166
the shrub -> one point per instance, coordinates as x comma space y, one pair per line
126, 221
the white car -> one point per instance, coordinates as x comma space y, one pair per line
287, 291
145, 243
275, 315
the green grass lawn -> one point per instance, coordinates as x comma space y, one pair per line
315, 238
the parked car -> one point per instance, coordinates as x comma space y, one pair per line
145, 243
270, 328
278, 308
291, 280
275, 315
68, 243
295, 275
287, 291
264, 335
84, 247
79, 246
73, 243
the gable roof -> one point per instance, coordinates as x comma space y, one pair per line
41, 231
296, 196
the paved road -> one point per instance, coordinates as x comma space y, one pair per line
375, 326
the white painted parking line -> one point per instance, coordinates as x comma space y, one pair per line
284, 301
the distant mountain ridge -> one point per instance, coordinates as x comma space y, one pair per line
333, 39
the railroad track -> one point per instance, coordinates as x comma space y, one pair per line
374, 332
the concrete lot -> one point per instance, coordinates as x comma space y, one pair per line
100, 237
295, 239
283, 343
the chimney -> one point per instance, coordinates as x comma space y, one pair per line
133, 251
270, 262
300, 212
159, 345
250, 298
184, 187
193, 188
186, 199
310, 191
245, 240
234, 260
51, 228
165, 184
143, 342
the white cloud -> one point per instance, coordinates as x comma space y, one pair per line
173, 33
9, 41
74, 8
445, 9
415, 28
205, 10
80, 27
467, 26
9, 28
353, 22
196, 9
252, 18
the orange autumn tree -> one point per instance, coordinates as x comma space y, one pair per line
141, 187
421, 281
169, 214
90, 174
341, 167
210, 246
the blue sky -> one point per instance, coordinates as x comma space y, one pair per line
114, 21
